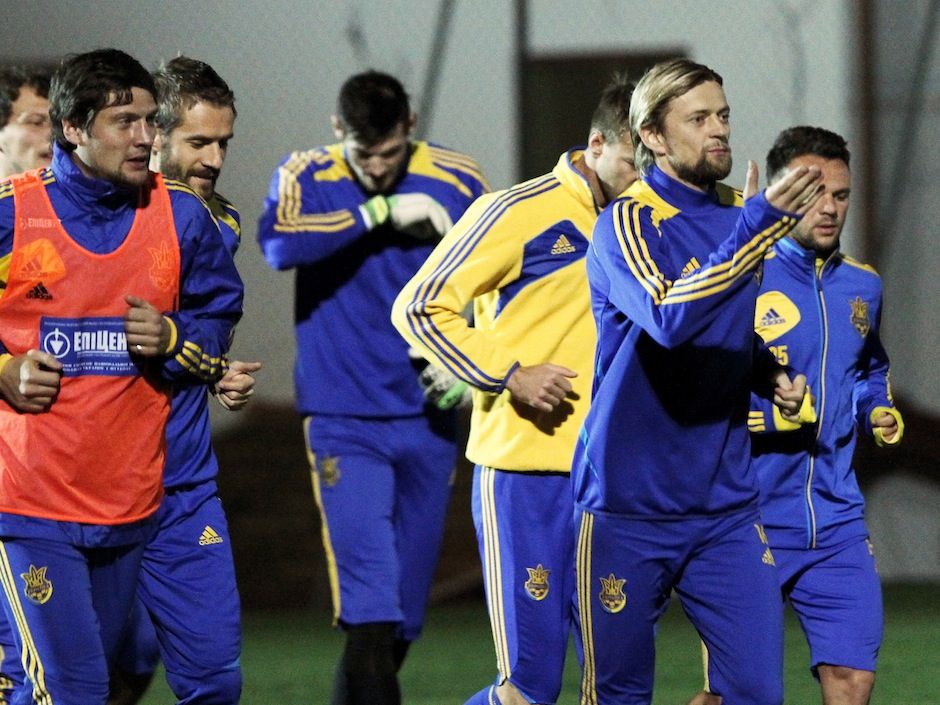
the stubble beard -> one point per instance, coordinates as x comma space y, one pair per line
704, 172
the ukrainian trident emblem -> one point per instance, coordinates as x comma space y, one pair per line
860, 316
611, 595
38, 588
537, 584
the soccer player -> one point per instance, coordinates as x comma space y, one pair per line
664, 495
116, 284
25, 144
25, 129
518, 256
356, 219
187, 585
819, 311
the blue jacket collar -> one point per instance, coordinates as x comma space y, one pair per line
793, 252
678, 194
85, 191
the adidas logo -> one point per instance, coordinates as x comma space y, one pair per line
39, 292
209, 537
562, 246
771, 318
689, 267
768, 557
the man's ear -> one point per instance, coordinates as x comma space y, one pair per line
338, 130
155, 151
653, 139
412, 122
596, 142
73, 133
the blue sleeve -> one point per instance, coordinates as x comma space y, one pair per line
210, 295
629, 246
6, 246
763, 415
872, 388
299, 225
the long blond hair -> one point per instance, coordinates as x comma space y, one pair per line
663, 82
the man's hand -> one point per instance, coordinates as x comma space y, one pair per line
147, 330
542, 387
789, 394
887, 424
796, 191
419, 215
443, 389
374, 211
30, 383
751, 186
237, 385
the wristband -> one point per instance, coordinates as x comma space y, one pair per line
878, 433
374, 211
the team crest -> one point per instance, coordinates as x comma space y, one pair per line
38, 588
537, 584
611, 595
328, 469
860, 316
161, 268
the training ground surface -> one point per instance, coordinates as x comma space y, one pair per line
289, 656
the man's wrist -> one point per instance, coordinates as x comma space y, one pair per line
878, 432
375, 211
172, 335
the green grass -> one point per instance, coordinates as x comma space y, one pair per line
289, 657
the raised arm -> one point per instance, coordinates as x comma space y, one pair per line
299, 225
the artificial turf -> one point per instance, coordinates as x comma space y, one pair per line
288, 657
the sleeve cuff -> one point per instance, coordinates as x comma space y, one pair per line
512, 369
174, 336
4, 359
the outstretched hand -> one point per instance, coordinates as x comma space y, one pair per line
750, 181
797, 190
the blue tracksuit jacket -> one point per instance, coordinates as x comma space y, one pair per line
820, 318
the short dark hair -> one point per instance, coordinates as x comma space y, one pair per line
84, 84
371, 105
181, 83
802, 140
612, 115
12, 80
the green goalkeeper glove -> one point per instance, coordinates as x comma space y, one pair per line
442, 389
375, 211
419, 215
